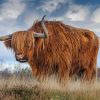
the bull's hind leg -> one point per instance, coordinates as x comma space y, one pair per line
90, 71
89, 74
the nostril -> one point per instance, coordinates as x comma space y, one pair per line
20, 56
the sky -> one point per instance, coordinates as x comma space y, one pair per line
20, 15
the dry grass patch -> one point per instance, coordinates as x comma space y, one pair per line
14, 88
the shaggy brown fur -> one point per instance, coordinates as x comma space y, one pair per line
66, 52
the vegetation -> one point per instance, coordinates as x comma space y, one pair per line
20, 85
29, 91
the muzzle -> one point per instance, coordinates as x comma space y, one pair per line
21, 58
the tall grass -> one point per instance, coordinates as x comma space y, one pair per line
15, 88
20, 85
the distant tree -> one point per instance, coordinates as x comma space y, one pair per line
5, 73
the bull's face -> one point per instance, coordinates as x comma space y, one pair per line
22, 43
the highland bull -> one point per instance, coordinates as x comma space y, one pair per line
53, 48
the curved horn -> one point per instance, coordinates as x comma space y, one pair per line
42, 35
6, 37
44, 27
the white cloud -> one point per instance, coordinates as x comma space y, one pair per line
96, 16
77, 13
11, 9
51, 5
86, 24
30, 17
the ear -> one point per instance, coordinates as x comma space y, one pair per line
8, 43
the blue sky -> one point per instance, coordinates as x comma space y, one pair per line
20, 14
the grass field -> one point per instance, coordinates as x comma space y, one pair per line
14, 88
